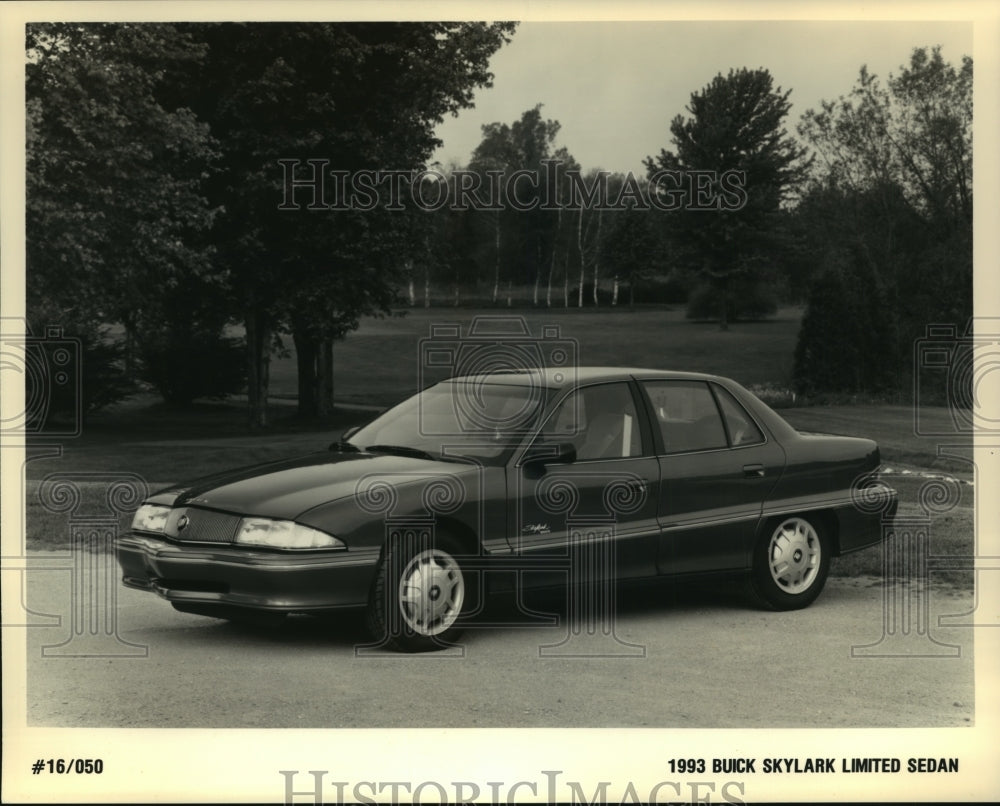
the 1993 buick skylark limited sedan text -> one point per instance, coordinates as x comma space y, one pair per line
532, 478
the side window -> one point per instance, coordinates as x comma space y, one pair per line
742, 429
599, 420
686, 415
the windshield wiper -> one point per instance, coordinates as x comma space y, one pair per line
405, 450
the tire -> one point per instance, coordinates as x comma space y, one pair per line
420, 594
791, 562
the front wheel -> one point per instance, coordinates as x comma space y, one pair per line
419, 594
790, 564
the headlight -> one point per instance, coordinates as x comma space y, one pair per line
284, 535
150, 518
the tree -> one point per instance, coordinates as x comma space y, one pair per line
455, 235
534, 139
735, 125
630, 250
492, 158
892, 198
559, 241
915, 132
153, 165
117, 217
845, 299
363, 96
522, 228
589, 223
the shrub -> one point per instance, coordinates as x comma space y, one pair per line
845, 342
183, 366
97, 380
105, 380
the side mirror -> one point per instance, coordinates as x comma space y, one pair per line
549, 453
342, 445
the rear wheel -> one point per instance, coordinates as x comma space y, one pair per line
419, 595
790, 564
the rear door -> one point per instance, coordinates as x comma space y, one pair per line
717, 465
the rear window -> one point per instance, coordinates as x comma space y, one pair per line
687, 416
742, 429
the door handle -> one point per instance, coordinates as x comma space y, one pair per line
753, 471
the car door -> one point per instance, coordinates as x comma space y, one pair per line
596, 514
717, 465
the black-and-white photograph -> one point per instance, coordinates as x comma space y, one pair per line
401, 405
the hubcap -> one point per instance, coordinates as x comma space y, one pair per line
431, 592
794, 556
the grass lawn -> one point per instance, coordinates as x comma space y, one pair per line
380, 362
379, 365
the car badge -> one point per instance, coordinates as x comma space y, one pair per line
182, 523
537, 528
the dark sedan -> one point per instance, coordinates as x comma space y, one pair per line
534, 478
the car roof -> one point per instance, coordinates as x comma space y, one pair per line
558, 377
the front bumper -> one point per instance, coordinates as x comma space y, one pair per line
272, 581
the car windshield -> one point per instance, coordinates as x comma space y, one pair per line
462, 419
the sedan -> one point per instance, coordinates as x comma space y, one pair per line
509, 480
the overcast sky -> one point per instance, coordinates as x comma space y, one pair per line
616, 86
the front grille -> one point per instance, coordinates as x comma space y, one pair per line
209, 527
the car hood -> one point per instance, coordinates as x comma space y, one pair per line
289, 488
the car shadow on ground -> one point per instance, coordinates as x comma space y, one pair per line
548, 609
